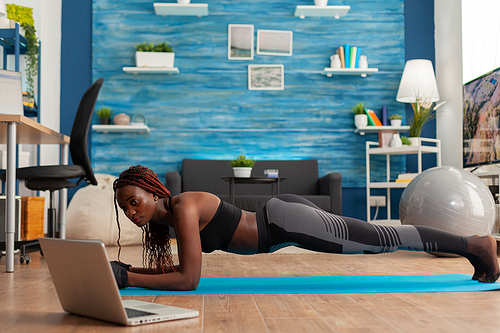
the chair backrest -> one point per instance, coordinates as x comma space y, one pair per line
78, 145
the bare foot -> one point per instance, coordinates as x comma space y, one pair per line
482, 254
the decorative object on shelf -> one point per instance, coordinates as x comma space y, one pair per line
242, 166
396, 141
159, 55
360, 117
24, 16
240, 41
139, 119
274, 42
372, 118
363, 62
405, 141
395, 120
322, 3
121, 119
271, 173
419, 88
350, 56
266, 77
335, 62
104, 115
450, 199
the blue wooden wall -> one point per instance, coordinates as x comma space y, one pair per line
207, 110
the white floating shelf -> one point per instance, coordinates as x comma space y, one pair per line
169, 9
121, 128
151, 70
376, 129
363, 72
332, 11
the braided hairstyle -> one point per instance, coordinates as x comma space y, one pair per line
155, 237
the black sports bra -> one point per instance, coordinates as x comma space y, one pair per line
218, 232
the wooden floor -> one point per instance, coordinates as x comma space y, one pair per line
28, 301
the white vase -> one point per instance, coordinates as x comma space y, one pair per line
335, 61
242, 172
155, 59
360, 120
396, 122
363, 63
396, 141
183, 2
321, 2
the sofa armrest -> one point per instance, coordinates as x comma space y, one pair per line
173, 182
331, 184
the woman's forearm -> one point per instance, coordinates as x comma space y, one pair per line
142, 270
168, 281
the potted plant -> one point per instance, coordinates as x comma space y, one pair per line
104, 115
154, 55
24, 16
242, 166
395, 120
360, 117
423, 112
405, 141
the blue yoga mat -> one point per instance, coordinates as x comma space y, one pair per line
328, 285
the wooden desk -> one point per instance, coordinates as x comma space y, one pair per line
14, 130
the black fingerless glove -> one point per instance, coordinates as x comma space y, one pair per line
124, 265
121, 275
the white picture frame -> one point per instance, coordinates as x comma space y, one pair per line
266, 77
240, 41
274, 42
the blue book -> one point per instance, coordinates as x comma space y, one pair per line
384, 116
358, 53
347, 50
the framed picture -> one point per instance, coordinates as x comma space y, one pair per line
240, 42
266, 77
274, 42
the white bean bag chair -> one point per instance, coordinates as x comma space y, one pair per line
91, 215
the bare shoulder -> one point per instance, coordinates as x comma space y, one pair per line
201, 204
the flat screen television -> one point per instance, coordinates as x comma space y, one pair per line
481, 120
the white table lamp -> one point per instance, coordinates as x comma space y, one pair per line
418, 82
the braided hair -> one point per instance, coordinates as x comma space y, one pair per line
155, 237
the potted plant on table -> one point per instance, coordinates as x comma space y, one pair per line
154, 55
242, 166
423, 112
360, 117
395, 120
104, 115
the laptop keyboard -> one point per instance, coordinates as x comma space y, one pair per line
132, 313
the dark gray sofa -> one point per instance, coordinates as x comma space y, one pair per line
301, 179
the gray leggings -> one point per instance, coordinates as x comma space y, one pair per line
292, 220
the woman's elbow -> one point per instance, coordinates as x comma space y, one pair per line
190, 284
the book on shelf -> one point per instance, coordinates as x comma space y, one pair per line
373, 117
406, 177
354, 49
341, 54
347, 55
358, 53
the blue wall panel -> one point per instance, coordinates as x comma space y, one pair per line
207, 110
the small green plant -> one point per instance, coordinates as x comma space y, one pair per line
242, 162
150, 47
104, 113
405, 141
24, 16
358, 108
395, 116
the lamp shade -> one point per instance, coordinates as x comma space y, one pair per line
418, 81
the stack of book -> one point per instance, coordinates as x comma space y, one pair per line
349, 56
372, 118
406, 177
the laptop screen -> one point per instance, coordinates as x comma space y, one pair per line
11, 94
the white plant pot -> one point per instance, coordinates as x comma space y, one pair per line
183, 2
360, 120
155, 59
415, 141
242, 172
396, 122
321, 2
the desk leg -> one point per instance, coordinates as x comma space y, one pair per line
231, 192
10, 191
63, 196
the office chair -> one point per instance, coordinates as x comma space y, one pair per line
56, 177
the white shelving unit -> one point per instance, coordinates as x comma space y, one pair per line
151, 70
121, 128
427, 146
494, 177
363, 72
176, 9
376, 129
329, 11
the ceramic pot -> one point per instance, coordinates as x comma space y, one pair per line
121, 119
183, 2
396, 122
363, 63
415, 141
360, 120
321, 2
335, 61
155, 59
104, 121
242, 172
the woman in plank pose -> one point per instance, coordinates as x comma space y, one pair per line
204, 223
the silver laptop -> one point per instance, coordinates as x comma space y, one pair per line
86, 285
